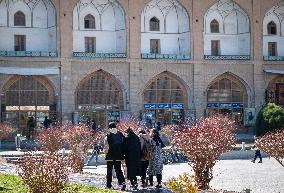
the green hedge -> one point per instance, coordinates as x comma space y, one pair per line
14, 184
269, 118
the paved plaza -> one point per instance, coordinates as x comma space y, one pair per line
233, 175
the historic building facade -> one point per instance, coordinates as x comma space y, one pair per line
160, 60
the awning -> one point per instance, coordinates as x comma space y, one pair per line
29, 70
275, 71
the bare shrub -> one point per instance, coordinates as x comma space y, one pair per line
6, 132
80, 139
45, 174
204, 143
51, 140
126, 123
273, 144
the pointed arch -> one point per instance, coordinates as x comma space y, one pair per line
214, 26
19, 19
275, 90
28, 90
165, 88
89, 22
228, 88
99, 90
154, 24
271, 28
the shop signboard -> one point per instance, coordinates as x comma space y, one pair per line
163, 106
225, 105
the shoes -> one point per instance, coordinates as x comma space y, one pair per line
135, 187
260, 162
252, 161
159, 186
123, 188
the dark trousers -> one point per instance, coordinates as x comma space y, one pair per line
144, 166
118, 171
257, 154
159, 179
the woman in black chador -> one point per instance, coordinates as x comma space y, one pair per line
132, 157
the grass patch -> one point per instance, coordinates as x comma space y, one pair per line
14, 184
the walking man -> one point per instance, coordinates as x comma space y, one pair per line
256, 155
114, 155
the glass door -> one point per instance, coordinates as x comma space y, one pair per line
99, 117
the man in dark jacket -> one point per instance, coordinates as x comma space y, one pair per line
114, 155
132, 150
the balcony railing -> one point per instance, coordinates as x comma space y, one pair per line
165, 56
28, 54
273, 58
227, 57
99, 55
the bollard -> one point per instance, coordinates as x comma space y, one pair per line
18, 142
243, 146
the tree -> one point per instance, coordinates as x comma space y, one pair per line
273, 144
269, 118
204, 143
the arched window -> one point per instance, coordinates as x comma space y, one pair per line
271, 28
19, 19
90, 22
214, 26
154, 24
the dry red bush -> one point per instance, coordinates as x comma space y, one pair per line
273, 144
45, 174
51, 140
79, 139
126, 123
6, 132
204, 143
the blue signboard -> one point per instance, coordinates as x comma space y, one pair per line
163, 106
177, 106
150, 106
225, 105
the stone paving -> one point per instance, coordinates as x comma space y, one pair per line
233, 175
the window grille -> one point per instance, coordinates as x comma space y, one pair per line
214, 26
90, 22
215, 47
27, 91
20, 43
272, 48
90, 44
225, 91
165, 90
100, 90
19, 19
155, 47
271, 28
154, 24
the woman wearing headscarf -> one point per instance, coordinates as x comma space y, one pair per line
156, 162
132, 150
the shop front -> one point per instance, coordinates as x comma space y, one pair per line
27, 100
227, 95
275, 91
164, 101
99, 100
